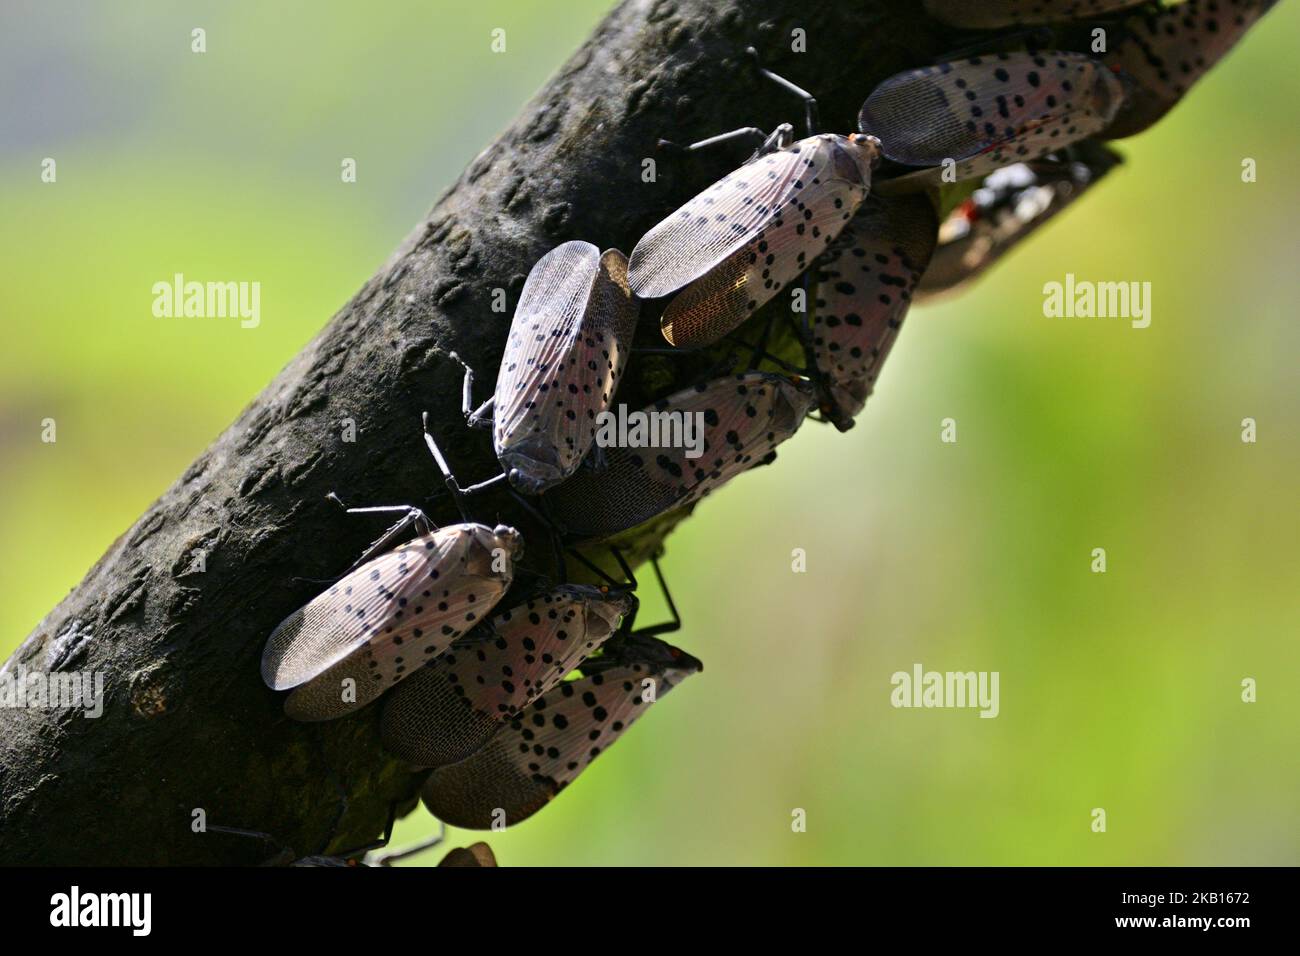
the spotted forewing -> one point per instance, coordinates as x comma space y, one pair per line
452, 707
744, 418
985, 112
1160, 55
738, 243
864, 287
568, 344
542, 750
991, 14
384, 620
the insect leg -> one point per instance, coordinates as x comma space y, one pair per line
483, 485
809, 101
751, 133
556, 531
597, 462
667, 627
761, 348
480, 417
386, 541
375, 844
610, 580
803, 332
283, 855
448, 478
759, 353
1033, 39
387, 859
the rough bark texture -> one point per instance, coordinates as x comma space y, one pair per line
187, 722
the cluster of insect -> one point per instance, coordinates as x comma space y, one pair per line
505, 702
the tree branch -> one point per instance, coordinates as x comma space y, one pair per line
187, 721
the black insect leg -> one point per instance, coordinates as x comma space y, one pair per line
760, 349
667, 627
1032, 38
376, 844
459, 494
388, 859
809, 101
614, 585
283, 854
758, 354
556, 531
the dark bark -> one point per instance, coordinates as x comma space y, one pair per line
187, 722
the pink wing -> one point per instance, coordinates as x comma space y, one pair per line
386, 618
542, 750
450, 708
864, 289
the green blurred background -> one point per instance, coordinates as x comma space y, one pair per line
1119, 691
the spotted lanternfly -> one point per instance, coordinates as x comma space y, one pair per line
568, 344
1161, 55
744, 417
986, 112
542, 750
991, 14
864, 289
1008, 206
736, 245
453, 706
385, 619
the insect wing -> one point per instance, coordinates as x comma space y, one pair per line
782, 250
541, 751
717, 223
1162, 55
568, 344
741, 419
452, 707
991, 14
386, 618
746, 417
986, 112
864, 289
